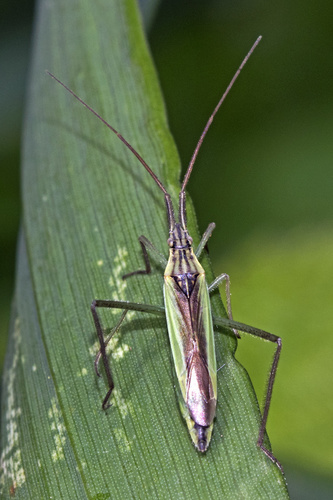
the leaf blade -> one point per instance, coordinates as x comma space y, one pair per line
78, 182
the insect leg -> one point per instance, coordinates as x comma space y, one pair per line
146, 244
271, 338
113, 331
207, 234
214, 285
114, 304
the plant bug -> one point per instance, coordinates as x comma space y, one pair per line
187, 308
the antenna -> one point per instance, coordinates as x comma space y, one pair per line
182, 196
141, 160
211, 118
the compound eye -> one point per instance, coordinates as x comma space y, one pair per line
190, 240
170, 242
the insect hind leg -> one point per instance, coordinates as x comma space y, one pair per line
276, 340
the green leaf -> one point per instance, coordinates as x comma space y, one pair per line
86, 200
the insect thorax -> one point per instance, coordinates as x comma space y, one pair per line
183, 266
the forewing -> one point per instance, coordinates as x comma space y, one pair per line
189, 321
179, 323
202, 324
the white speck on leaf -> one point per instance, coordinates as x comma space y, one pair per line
122, 440
11, 466
119, 402
58, 431
116, 281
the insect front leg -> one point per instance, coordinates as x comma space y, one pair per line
216, 283
114, 304
276, 340
146, 244
223, 277
207, 234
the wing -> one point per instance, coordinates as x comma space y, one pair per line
190, 329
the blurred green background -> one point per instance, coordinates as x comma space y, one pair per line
264, 176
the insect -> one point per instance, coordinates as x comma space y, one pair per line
187, 309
